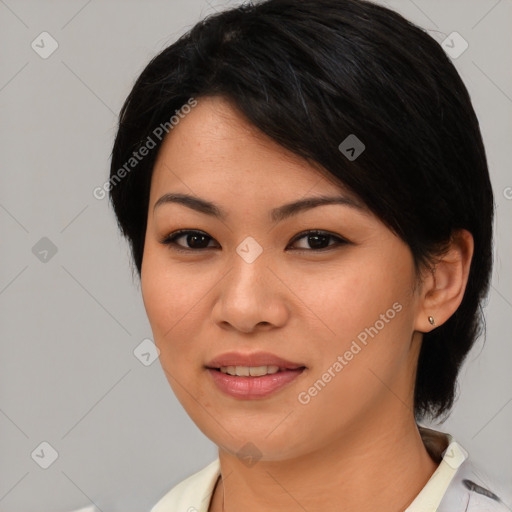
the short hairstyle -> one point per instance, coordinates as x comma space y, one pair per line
309, 73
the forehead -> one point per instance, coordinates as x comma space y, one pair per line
214, 147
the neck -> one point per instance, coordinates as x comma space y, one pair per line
383, 463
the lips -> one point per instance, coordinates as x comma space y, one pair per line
249, 386
252, 360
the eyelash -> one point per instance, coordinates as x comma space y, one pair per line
170, 240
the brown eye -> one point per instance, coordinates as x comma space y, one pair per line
319, 240
194, 240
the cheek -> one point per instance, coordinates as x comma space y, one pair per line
364, 353
172, 301
171, 298
365, 312
352, 296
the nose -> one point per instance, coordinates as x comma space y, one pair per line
250, 297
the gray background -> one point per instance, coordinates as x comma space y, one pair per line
69, 325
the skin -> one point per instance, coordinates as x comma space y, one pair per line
355, 446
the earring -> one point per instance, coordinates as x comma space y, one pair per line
431, 320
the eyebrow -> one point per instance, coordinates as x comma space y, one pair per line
277, 214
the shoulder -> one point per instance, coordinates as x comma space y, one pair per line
192, 494
459, 484
471, 491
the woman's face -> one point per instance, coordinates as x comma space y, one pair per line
339, 304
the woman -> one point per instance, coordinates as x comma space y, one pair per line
305, 191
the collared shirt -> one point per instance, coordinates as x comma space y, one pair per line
453, 487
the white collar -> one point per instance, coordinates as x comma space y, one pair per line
195, 492
453, 456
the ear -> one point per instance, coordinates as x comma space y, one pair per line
443, 288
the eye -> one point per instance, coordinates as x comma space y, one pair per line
319, 240
196, 240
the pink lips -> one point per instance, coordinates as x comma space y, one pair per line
254, 359
250, 388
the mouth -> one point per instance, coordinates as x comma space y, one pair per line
252, 364
252, 376
254, 371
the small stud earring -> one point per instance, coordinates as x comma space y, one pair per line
431, 320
